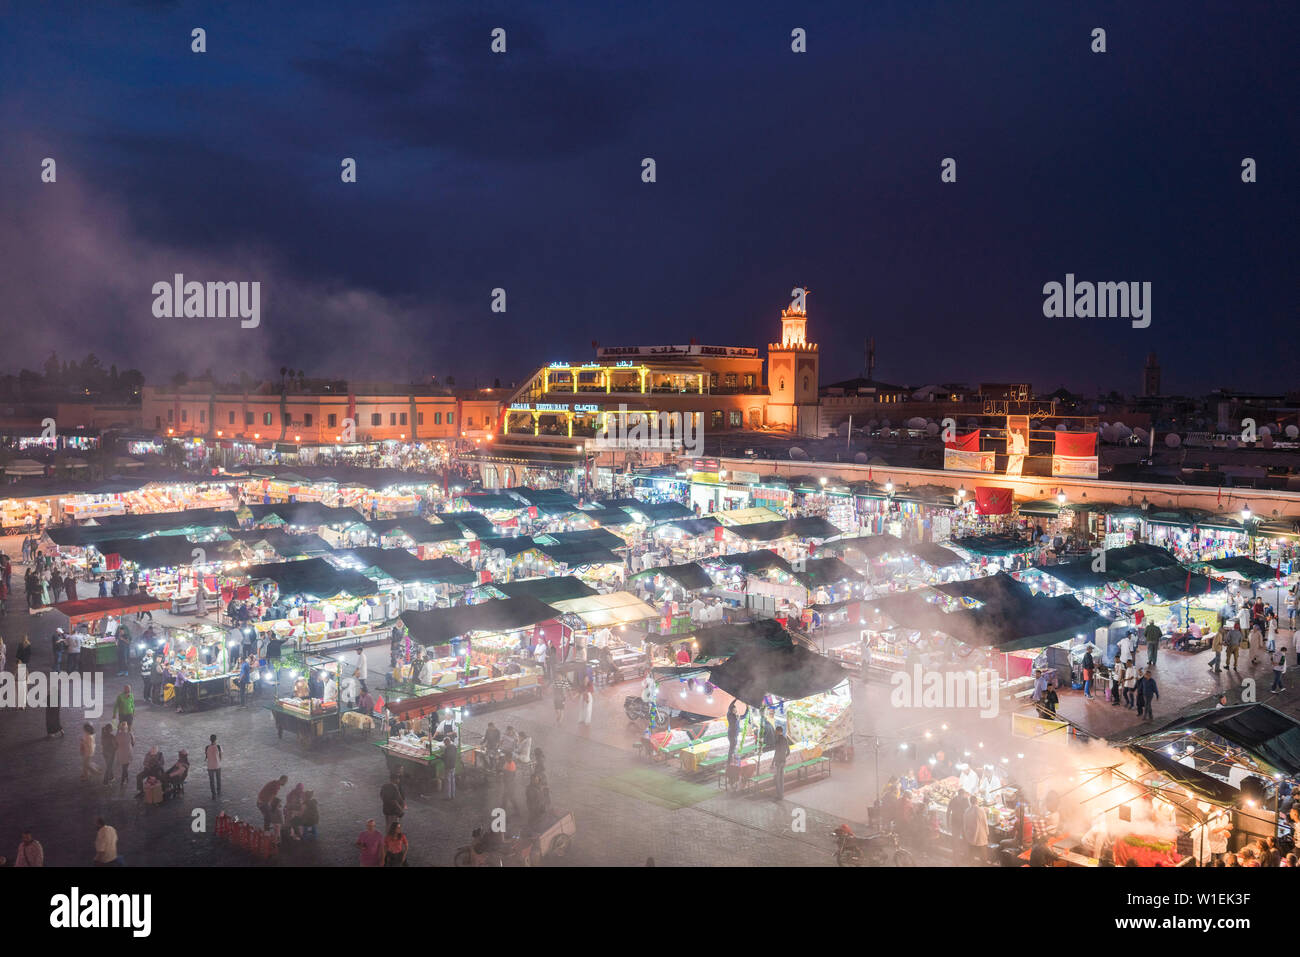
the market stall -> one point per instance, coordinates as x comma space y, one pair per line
312, 604
312, 709
93, 616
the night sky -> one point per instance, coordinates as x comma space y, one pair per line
775, 169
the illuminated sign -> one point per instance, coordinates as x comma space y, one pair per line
552, 407
559, 365
586, 408
520, 407
691, 350
624, 363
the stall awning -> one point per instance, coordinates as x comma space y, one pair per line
417, 530
1040, 508
586, 536
1075, 574
92, 609
751, 562
1122, 563
1206, 786
694, 526
662, 512
306, 514
603, 611
790, 672
1246, 568
490, 502
442, 625
543, 496
993, 545
801, 528
312, 576
1011, 617
748, 516
510, 545
164, 551
613, 517
470, 522
689, 575
934, 555
723, 641
579, 554
826, 571
284, 543
868, 546
1175, 582
1262, 731
400, 565
550, 590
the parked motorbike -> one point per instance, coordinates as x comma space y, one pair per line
870, 850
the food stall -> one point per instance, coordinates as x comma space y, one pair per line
203, 664
412, 583
312, 709
314, 605
93, 615
600, 626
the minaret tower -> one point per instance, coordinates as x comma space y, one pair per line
792, 369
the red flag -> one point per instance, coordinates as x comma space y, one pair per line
717, 533
1220, 499
1076, 444
970, 442
1188, 587
992, 501
1208, 582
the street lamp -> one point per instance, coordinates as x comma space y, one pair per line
1245, 513
1060, 496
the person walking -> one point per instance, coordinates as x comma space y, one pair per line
395, 846
125, 751
59, 642
1130, 686
29, 853
450, 756
87, 750
1216, 645
108, 746
53, 721
558, 696
1147, 693
124, 707
23, 656
1152, 634
72, 645
393, 800
975, 825
244, 671
105, 844
585, 701
1279, 668
1234, 641
371, 843
1087, 668
733, 731
212, 758
781, 751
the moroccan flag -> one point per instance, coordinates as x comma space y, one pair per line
1076, 444
992, 501
970, 442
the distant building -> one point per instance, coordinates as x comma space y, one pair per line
1151, 376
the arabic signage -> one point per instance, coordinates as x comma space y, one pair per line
692, 350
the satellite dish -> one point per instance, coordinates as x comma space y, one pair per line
798, 453
860, 458
1292, 431
1172, 440
932, 428
916, 422
1265, 430
1060, 427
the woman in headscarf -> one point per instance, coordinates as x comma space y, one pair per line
293, 804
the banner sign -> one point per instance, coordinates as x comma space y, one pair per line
970, 442
1067, 466
959, 461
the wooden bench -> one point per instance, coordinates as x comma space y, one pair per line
795, 774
